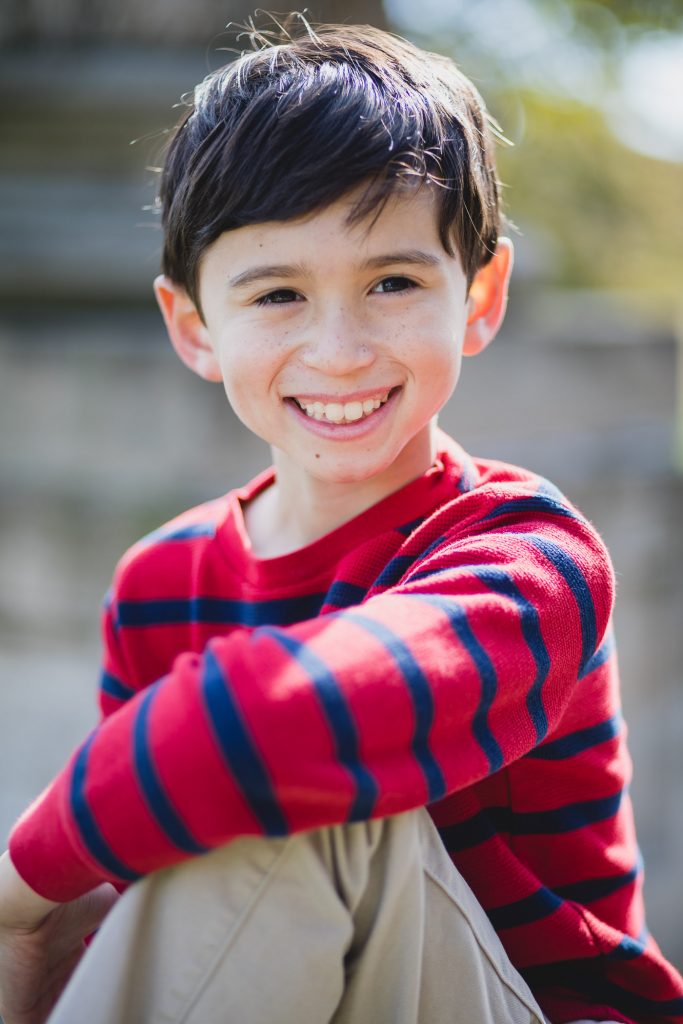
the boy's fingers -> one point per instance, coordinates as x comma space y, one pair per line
82, 916
101, 900
36, 964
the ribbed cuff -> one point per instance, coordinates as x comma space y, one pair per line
44, 854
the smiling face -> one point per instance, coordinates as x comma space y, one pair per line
338, 344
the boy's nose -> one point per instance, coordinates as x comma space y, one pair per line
338, 345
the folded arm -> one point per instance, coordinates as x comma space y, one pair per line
423, 689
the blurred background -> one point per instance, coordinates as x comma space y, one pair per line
104, 435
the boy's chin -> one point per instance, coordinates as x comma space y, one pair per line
354, 473
344, 475
334, 472
382, 466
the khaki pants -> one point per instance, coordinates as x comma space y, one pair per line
360, 924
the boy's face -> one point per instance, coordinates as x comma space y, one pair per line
336, 344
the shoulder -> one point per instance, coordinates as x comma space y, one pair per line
168, 552
489, 490
505, 512
192, 550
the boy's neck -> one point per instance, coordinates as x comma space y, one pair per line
299, 509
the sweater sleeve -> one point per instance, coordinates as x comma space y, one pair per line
435, 681
115, 683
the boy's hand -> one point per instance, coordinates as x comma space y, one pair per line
40, 944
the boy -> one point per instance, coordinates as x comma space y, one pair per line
377, 625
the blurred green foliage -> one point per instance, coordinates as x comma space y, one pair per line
640, 14
599, 213
614, 213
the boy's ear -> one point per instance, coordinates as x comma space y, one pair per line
186, 329
487, 299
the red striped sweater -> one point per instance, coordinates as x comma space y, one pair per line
449, 647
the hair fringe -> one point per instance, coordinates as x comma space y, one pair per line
261, 38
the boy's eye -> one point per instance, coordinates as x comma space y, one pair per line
394, 284
277, 296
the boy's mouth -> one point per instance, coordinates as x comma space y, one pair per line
343, 412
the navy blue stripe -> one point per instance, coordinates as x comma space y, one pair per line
239, 750
398, 566
538, 503
393, 570
496, 820
341, 723
113, 687
344, 595
489, 685
421, 694
431, 547
593, 889
464, 835
156, 797
170, 611
544, 902
85, 821
188, 532
407, 528
436, 571
567, 818
501, 583
578, 741
532, 908
550, 490
628, 949
601, 656
576, 582
586, 977
487, 675
634, 1004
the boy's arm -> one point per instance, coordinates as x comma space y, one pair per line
422, 690
41, 940
116, 684
41, 943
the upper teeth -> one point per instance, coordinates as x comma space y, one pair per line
342, 412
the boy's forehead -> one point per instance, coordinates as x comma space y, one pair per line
408, 216
327, 244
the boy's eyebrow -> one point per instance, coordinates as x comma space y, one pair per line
424, 259
266, 270
285, 270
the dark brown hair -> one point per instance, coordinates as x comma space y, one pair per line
292, 126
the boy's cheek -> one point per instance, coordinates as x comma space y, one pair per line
249, 405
